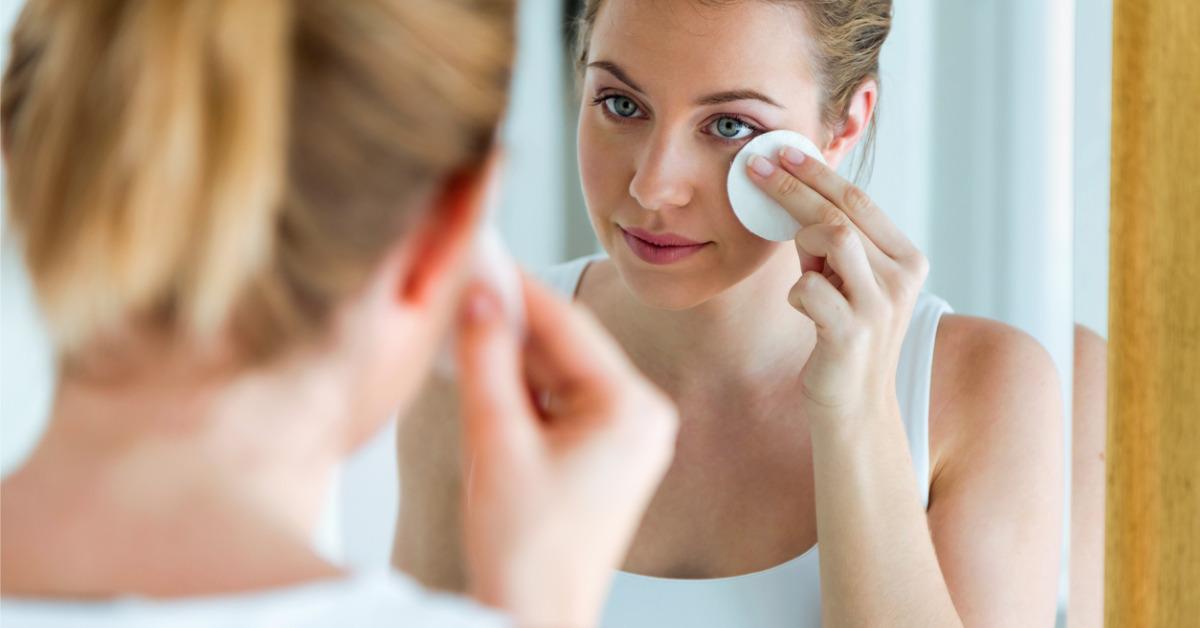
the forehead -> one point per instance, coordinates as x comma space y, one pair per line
689, 47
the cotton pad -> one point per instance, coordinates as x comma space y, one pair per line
492, 264
761, 215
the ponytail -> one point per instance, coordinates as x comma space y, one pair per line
146, 155
235, 167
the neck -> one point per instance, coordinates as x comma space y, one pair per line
156, 485
745, 337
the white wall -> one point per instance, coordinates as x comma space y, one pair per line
26, 369
1093, 130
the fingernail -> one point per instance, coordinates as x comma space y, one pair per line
794, 156
761, 166
480, 306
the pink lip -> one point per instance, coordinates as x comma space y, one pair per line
660, 248
661, 239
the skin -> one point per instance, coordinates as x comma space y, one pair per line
790, 431
1088, 441
190, 474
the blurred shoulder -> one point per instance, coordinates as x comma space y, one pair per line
1091, 355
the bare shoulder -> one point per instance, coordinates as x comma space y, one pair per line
1089, 394
996, 491
1091, 360
993, 386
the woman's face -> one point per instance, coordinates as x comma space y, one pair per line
673, 89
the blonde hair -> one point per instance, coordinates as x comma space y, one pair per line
848, 36
234, 166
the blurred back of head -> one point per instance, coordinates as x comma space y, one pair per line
234, 167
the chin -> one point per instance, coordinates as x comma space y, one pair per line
669, 287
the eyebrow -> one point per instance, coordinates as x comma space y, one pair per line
711, 99
737, 94
617, 71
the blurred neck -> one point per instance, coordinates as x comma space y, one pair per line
176, 480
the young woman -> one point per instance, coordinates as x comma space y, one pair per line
247, 223
815, 380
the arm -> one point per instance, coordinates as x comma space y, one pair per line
428, 542
878, 563
989, 556
1088, 440
988, 553
996, 493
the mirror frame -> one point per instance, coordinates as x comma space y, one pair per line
1152, 544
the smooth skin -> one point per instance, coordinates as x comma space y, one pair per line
191, 475
1089, 439
546, 474
782, 357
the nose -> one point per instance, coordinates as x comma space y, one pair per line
664, 177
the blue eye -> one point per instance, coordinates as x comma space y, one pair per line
621, 106
729, 128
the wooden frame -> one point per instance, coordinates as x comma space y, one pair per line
1152, 546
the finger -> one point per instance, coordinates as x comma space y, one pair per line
568, 352
817, 299
850, 199
843, 251
495, 405
810, 262
804, 204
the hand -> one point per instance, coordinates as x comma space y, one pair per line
554, 490
859, 283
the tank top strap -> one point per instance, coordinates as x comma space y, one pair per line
564, 278
914, 376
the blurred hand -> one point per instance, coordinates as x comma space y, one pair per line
565, 445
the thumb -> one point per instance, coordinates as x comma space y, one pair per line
497, 412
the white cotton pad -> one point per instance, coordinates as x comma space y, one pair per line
495, 265
492, 264
761, 215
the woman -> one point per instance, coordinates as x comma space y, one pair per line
246, 223
810, 385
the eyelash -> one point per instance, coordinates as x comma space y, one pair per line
754, 128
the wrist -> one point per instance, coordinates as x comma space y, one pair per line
538, 592
850, 423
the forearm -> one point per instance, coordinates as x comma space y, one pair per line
878, 565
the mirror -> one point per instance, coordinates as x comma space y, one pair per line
991, 157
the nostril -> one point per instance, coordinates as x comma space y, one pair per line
660, 194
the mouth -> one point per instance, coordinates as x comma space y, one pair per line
660, 248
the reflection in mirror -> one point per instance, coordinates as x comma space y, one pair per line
966, 141
897, 414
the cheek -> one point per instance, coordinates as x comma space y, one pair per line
598, 164
606, 166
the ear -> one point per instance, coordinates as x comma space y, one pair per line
440, 244
854, 127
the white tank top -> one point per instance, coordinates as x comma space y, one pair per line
789, 594
370, 598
